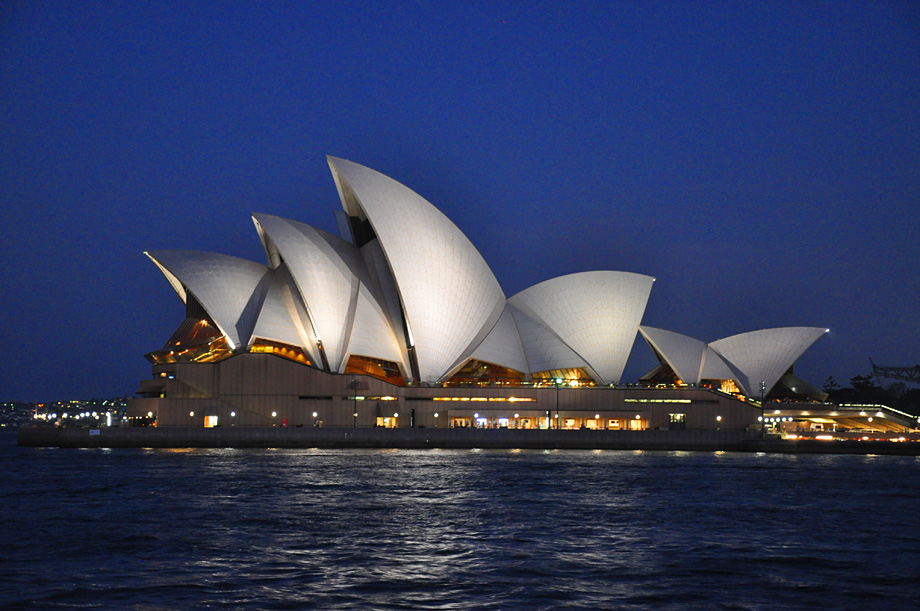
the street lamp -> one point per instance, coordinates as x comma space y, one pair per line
558, 382
763, 389
354, 396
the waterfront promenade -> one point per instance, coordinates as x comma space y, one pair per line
454, 438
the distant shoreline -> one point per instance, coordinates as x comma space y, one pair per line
434, 438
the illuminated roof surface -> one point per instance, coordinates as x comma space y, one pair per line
767, 354
407, 285
230, 289
596, 314
450, 297
748, 358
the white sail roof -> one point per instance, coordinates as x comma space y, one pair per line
714, 367
596, 314
543, 349
334, 284
450, 297
682, 353
326, 270
283, 317
230, 289
503, 345
767, 354
372, 335
410, 282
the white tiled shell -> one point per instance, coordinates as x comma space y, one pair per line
503, 345
449, 295
326, 269
283, 317
371, 335
682, 353
384, 286
766, 354
714, 367
542, 348
597, 314
230, 289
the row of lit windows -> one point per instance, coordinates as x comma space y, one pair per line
489, 399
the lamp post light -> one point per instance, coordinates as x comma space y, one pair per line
354, 395
763, 389
558, 382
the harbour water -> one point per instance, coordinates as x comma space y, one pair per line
455, 529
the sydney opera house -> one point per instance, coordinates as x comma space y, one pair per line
399, 322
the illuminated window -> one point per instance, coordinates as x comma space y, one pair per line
196, 340
480, 373
287, 351
677, 422
575, 376
387, 371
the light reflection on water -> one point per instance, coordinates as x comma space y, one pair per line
419, 529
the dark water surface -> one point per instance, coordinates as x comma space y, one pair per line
444, 529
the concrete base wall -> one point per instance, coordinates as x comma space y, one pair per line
310, 437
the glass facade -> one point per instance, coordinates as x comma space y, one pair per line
480, 373
284, 350
387, 371
195, 341
574, 376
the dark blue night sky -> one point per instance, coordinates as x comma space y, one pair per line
762, 162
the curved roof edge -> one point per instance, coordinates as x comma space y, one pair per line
763, 356
326, 270
283, 317
502, 346
230, 289
682, 353
543, 349
596, 314
449, 295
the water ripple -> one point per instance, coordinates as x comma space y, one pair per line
455, 530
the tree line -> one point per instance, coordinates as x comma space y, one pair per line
866, 389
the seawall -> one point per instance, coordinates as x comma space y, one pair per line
420, 438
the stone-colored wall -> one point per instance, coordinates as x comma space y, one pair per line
267, 390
